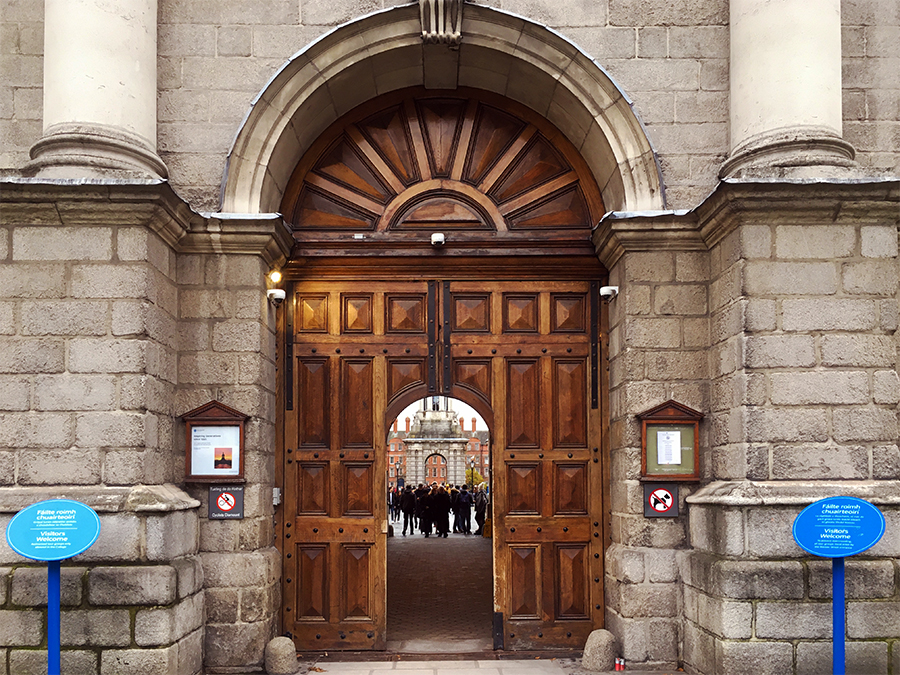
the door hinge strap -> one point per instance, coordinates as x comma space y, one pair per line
446, 335
432, 337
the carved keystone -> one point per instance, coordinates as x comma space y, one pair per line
441, 21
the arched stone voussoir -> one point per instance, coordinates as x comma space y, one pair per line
501, 53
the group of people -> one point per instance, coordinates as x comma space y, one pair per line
428, 508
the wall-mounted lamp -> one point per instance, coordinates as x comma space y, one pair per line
274, 276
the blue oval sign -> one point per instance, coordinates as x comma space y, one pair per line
55, 529
838, 527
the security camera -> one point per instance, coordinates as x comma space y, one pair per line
276, 296
437, 239
609, 292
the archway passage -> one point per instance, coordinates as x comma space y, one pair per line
505, 316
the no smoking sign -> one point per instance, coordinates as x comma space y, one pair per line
660, 500
226, 502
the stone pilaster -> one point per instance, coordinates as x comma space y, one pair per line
99, 91
786, 89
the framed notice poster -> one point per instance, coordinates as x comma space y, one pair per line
214, 444
670, 443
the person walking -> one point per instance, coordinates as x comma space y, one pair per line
454, 497
464, 509
481, 504
408, 508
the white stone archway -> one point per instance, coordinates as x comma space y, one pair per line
384, 51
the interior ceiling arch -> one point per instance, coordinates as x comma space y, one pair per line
384, 52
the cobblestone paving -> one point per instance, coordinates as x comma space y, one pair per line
439, 590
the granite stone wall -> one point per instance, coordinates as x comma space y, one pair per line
671, 58
119, 316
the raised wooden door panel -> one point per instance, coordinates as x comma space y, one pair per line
344, 357
518, 350
548, 542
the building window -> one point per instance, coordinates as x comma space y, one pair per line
392, 473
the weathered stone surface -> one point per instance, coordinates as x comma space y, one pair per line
814, 241
784, 278
62, 243
810, 462
154, 627
190, 575
873, 619
95, 628
791, 620
64, 317
29, 586
779, 351
172, 535
864, 579
21, 628
132, 585
119, 540
237, 644
861, 658
802, 314
760, 658
748, 579
600, 651
130, 661
281, 657
825, 387
34, 662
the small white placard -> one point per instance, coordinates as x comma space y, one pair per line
668, 447
216, 450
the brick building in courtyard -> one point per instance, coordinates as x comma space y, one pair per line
565, 213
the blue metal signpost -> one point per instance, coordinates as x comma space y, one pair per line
835, 528
51, 531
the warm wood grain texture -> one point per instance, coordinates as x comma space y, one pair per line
500, 317
365, 173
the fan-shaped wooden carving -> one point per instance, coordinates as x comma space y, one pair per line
457, 162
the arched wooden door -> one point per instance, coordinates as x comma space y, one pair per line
505, 315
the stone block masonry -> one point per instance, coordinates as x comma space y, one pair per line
122, 607
100, 355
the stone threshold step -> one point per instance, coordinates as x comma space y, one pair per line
487, 655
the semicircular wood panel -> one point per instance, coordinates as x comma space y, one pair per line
416, 160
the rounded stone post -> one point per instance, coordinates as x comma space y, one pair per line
99, 90
786, 88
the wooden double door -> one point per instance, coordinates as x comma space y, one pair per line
526, 354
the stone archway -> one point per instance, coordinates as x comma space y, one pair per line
500, 53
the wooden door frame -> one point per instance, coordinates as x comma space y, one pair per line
390, 412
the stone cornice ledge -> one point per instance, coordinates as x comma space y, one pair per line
136, 499
733, 201
149, 203
794, 492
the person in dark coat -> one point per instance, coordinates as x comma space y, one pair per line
408, 507
481, 504
423, 509
464, 510
454, 495
440, 510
